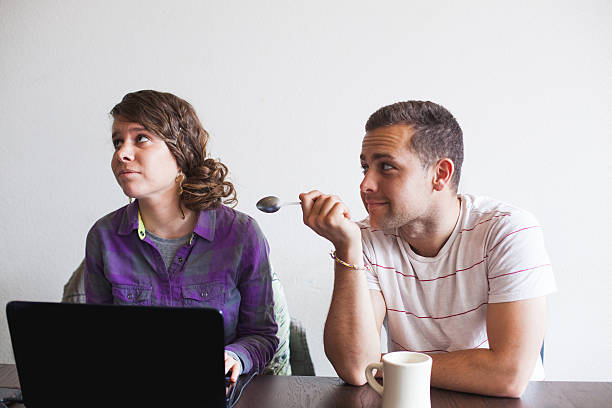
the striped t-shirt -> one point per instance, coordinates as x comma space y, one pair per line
495, 254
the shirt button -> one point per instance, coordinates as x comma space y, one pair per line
180, 259
129, 296
204, 294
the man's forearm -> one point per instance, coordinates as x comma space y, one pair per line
351, 338
481, 371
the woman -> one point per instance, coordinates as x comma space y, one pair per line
176, 244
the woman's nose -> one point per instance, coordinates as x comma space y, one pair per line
125, 153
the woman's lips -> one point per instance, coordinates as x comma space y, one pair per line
127, 173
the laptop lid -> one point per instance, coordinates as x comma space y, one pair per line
79, 355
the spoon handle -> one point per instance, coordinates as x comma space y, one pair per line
293, 203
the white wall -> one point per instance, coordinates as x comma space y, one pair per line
285, 89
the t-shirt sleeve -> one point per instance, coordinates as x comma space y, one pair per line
368, 260
518, 266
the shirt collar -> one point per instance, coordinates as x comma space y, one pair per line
131, 220
205, 227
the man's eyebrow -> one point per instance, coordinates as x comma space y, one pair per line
377, 156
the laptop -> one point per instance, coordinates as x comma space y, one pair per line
79, 355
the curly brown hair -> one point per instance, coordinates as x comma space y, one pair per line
175, 121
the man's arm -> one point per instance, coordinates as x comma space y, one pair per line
516, 332
353, 325
354, 321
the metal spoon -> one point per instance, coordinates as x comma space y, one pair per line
272, 204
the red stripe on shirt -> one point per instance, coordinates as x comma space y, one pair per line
432, 351
513, 232
418, 351
482, 222
483, 342
522, 270
429, 280
437, 318
377, 230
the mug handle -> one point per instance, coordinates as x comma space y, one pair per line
371, 380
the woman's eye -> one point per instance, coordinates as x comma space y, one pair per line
143, 138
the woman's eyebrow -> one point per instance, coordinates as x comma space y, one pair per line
132, 129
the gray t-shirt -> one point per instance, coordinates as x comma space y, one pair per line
168, 247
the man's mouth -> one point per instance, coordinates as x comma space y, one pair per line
375, 204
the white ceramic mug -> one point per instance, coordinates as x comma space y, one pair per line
406, 377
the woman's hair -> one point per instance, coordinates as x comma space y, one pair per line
174, 121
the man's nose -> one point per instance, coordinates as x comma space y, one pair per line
368, 183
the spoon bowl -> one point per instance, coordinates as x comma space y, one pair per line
272, 204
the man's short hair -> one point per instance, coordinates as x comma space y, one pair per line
437, 134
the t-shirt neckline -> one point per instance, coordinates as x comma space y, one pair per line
408, 252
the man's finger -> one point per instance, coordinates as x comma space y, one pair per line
307, 200
317, 202
327, 205
339, 211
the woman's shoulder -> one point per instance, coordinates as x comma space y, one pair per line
230, 218
113, 220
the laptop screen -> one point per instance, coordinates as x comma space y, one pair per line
109, 355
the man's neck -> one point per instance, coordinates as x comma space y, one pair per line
164, 218
432, 233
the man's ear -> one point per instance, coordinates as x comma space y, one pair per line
443, 173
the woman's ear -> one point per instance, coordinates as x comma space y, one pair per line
443, 173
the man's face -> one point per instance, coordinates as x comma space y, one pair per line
396, 190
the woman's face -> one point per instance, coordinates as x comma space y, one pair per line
142, 163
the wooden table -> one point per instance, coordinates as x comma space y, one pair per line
322, 392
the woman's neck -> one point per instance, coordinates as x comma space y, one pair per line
165, 219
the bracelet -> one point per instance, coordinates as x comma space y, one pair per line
348, 265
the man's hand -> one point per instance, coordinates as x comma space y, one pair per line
233, 366
329, 217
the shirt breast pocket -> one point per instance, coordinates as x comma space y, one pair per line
210, 294
131, 295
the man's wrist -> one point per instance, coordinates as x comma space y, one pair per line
351, 253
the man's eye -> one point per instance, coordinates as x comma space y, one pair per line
143, 138
364, 169
386, 166
117, 143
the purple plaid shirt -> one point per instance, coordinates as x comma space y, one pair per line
224, 265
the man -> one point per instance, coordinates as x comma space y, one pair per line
459, 277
